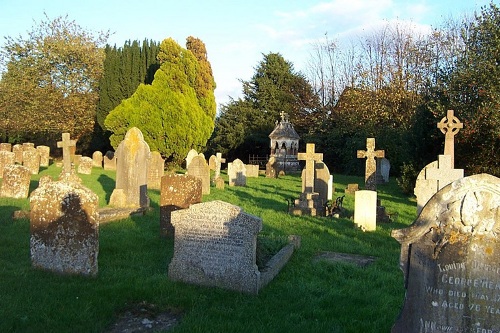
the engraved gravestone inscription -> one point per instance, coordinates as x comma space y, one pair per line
451, 263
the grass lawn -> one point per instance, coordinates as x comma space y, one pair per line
307, 296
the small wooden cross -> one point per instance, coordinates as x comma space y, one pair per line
371, 164
310, 157
450, 126
65, 144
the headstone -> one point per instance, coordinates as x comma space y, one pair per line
44, 152
449, 257
75, 158
212, 162
252, 170
131, 172
444, 173
272, 168
109, 160
66, 145
27, 145
64, 228
450, 126
371, 165
215, 245
85, 166
352, 188
365, 210
198, 168
177, 192
16, 182
4, 146
383, 169
17, 149
156, 169
97, 159
219, 160
237, 173
192, 153
31, 160
321, 181
219, 183
6, 158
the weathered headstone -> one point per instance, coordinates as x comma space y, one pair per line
450, 126
97, 159
66, 145
131, 172
365, 210
352, 188
64, 228
192, 153
17, 149
28, 145
85, 166
449, 257
177, 192
6, 158
198, 168
371, 166
383, 170
219, 183
272, 168
219, 160
156, 169
215, 245
31, 160
109, 160
212, 162
16, 182
321, 181
44, 152
237, 173
5, 146
252, 170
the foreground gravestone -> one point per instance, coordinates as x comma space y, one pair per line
16, 182
365, 210
64, 228
177, 192
371, 165
198, 168
131, 189
449, 257
215, 245
44, 152
237, 173
156, 168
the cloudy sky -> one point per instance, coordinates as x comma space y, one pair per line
236, 33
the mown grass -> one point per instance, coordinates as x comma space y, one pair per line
307, 296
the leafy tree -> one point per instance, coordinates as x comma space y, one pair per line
171, 113
51, 81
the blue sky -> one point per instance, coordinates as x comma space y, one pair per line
236, 33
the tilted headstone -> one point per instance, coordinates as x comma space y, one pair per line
252, 170
177, 192
17, 149
64, 227
156, 169
198, 168
6, 158
85, 166
365, 210
272, 168
5, 146
449, 257
97, 159
131, 186
31, 160
16, 182
109, 160
215, 245
237, 173
218, 163
212, 162
450, 126
192, 153
44, 152
371, 165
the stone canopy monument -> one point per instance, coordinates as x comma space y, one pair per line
285, 145
450, 260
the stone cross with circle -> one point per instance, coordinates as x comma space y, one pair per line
450, 126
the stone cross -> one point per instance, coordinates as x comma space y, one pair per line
219, 161
310, 157
444, 173
450, 126
371, 165
65, 144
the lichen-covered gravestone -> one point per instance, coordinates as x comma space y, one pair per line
44, 152
85, 166
16, 182
17, 149
321, 181
6, 158
31, 160
237, 173
191, 154
177, 192
215, 245
64, 228
450, 260
132, 156
97, 159
5, 146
